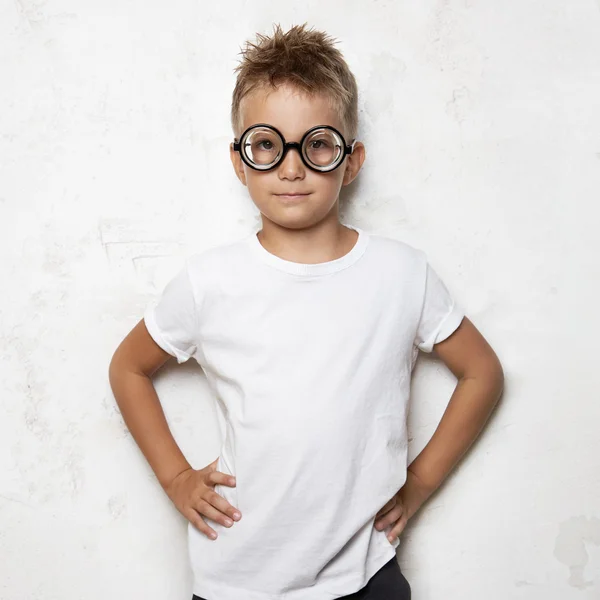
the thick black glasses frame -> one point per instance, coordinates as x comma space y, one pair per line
348, 148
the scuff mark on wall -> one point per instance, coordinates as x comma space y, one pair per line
460, 105
137, 245
9, 499
117, 506
570, 547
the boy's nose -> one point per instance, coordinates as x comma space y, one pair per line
292, 166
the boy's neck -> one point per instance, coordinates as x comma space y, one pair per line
323, 242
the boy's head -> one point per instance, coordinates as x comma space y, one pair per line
294, 82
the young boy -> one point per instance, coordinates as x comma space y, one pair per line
307, 331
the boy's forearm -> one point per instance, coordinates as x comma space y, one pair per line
468, 410
145, 419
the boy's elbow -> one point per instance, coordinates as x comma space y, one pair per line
115, 368
488, 374
494, 376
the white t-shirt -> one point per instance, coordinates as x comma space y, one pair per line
310, 365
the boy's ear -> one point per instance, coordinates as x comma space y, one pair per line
354, 162
238, 165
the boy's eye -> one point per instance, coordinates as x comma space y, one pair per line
264, 144
319, 144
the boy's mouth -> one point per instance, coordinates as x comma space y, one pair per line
291, 195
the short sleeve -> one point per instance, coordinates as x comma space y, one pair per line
172, 320
440, 314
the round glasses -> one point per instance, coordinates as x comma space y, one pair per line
322, 148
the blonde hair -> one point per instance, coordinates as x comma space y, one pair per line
306, 59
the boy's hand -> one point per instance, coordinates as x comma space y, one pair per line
402, 506
192, 492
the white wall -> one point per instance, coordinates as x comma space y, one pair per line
482, 127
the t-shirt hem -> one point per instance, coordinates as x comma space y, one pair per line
160, 339
447, 326
220, 591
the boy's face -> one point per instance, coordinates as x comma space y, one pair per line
293, 113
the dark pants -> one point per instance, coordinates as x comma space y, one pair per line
388, 583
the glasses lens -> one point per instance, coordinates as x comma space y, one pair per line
262, 146
323, 148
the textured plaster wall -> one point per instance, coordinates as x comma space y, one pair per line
482, 127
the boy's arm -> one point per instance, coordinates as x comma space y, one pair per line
480, 383
130, 372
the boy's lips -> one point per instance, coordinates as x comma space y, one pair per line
292, 194
291, 198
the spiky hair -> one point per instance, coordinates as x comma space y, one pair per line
304, 58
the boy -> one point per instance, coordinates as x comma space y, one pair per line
307, 331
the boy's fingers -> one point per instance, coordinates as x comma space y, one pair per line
207, 508
397, 529
212, 466
221, 504
199, 523
221, 478
387, 507
390, 517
